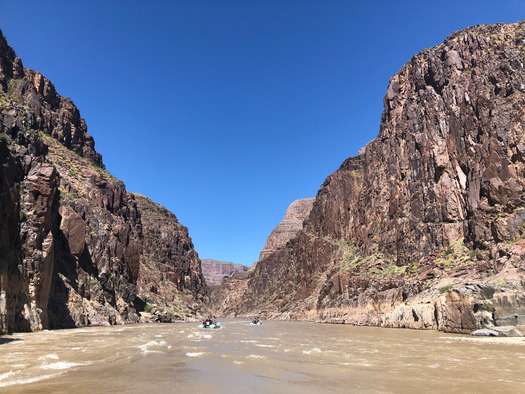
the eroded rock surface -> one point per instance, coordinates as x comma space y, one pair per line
424, 227
71, 237
215, 271
288, 228
170, 281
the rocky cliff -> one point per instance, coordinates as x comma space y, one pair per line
230, 291
215, 271
170, 280
72, 240
424, 227
288, 228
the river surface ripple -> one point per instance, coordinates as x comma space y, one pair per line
277, 357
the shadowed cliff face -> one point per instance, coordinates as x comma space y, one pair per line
72, 240
434, 202
170, 277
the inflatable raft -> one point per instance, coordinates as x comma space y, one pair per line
213, 325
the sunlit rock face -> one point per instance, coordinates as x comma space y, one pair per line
288, 228
215, 271
413, 230
230, 289
71, 236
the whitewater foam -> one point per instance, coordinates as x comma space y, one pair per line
6, 375
62, 365
146, 347
49, 356
28, 380
314, 350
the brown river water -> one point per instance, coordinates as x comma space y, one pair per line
277, 357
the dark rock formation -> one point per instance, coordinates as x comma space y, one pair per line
288, 228
416, 229
71, 236
170, 276
215, 271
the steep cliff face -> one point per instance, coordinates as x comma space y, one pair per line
288, 228
231, 291
170, 277
214, 271
71, 242
423, 228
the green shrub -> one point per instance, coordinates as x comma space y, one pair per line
445, 288
148, 308
489, 307
5, 137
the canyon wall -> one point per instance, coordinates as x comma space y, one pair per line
171, 281
424, 227
72, 239
291, 224
215, 271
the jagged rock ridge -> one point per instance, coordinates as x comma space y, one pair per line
424, 228
72, 241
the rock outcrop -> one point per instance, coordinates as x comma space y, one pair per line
424, 227
170, 280
288, 228
230, 291
215, 271
72, 242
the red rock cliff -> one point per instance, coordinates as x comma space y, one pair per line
71, 236
424, 227
214, 271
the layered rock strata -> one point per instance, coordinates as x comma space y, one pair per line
291, 224
215, 271
424, 227
71, 236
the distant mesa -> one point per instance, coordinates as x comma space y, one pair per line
215, 271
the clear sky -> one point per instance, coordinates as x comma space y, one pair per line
226, 111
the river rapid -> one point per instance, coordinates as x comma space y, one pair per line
282, 357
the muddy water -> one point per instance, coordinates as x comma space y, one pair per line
283, 357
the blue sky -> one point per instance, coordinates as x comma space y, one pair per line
227, 111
